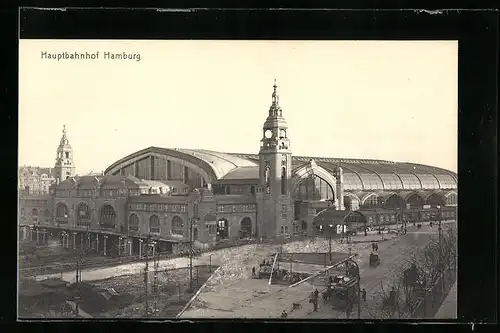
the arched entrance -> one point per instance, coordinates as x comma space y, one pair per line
83, 216
436, 199
108, 217
222, 229
245, 227
415, 200
61, 213
394, 201
154, 224
177, 226
303, 225
133, 223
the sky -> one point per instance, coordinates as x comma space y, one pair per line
390, 100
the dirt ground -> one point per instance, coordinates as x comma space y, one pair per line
131, 299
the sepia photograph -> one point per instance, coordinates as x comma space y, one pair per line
262, 179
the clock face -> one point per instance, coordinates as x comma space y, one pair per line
268, 134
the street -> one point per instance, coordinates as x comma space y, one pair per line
248, 298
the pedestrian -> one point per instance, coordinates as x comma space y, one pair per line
373, 247
284, 314
363, 294
311, 297
253, 271
316, 293
315, 301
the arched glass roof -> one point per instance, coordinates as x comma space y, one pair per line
352, 181
391, 181
446, 182
428, 181
371, 181
410, 181
358, 174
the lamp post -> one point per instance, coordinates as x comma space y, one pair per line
140, 248
105, 238
441, 271
191, 222
44, 233
120, 247
330, 232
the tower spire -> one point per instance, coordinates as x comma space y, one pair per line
64, 138
275, 109
275, 95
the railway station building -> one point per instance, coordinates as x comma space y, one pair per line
176, 195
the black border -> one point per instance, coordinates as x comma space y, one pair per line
477, 32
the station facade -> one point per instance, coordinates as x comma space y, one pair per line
178, 195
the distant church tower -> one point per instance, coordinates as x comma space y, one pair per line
64, 167
274, 196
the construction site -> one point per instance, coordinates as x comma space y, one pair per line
76, 284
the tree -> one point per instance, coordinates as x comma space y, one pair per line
415, 276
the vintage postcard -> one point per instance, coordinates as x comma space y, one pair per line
237, 179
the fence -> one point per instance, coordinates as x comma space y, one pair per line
434, 296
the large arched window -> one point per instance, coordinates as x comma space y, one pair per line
177, 226
154, 224
313, 188
415, 200
372, 201
452, 199
108, 217
61, 213
435, 200
133, 222
395, 201
222, 228
245, 227
83, 216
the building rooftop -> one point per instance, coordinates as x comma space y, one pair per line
358, 174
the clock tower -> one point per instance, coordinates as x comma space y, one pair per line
64, 167
274, 194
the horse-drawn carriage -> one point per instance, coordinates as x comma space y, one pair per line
374, 260
265, 271
342, 292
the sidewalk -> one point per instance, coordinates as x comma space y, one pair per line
448, 309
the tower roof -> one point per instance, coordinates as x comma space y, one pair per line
275, 117
64, 143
